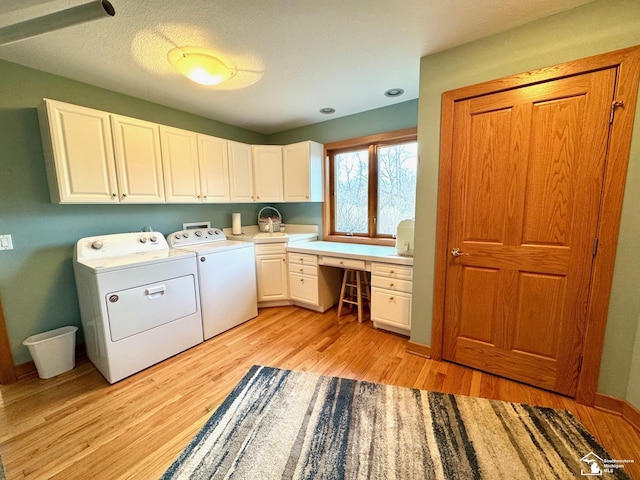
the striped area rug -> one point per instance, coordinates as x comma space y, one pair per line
280, 424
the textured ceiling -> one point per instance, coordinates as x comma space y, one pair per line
293, 56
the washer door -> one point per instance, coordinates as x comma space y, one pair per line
142, 308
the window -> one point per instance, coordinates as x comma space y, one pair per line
372, 184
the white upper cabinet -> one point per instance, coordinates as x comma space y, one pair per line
195, 166
303, 172
180, 165
240, 172
78, 154
267, 169
99, 157
214, 169
138, 160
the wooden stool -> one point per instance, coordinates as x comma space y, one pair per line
354, 291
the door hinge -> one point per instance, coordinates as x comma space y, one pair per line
595, 246
614, 105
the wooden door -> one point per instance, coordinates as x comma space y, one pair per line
526, 180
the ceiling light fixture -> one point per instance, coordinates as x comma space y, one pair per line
327, 110
55, 21
200, 65
394, 92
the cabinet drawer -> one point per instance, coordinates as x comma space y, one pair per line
393, 284
343, 263
391, 307
303, 259
303, 288
303, 269
392, 270
271, 248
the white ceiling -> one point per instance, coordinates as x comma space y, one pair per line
293, 56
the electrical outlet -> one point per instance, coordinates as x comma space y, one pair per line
5, 242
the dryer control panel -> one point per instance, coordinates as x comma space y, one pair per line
195, 236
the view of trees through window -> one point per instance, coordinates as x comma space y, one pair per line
386, 172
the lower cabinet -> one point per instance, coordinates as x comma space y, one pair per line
310, 285
271, 273
391, 287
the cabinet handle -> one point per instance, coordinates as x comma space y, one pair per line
302, 270
124, 194
391, 299
391, 285
114, 194
284, 259
302, 280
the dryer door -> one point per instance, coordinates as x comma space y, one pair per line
144, 307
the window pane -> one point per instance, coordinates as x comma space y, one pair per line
397, 167
351, 191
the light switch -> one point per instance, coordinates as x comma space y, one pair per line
5, 242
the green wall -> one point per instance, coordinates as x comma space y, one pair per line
597, 27
37, 287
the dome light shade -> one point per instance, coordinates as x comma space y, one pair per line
200, 66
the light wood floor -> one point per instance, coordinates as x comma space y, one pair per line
77, 426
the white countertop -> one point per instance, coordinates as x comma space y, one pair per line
293, 233
374, 253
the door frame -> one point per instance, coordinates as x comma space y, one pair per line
627, 63
7, 371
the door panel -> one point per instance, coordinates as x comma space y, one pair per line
526, 182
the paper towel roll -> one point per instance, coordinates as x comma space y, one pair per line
236, 224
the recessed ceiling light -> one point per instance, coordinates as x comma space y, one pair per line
327, 110
394, 92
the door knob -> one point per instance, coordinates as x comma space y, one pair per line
457, 253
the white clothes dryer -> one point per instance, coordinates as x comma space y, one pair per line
227, 277
139, 301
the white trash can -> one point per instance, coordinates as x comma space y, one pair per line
53, 352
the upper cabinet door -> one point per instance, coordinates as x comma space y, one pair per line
138, 159
78, 153
180, 165
303, 172
267, 167
214, 169
240, 172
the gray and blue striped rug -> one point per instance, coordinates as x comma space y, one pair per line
280, 424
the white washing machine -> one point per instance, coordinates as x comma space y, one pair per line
138, 299
227, 277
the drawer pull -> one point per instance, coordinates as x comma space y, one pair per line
391, 285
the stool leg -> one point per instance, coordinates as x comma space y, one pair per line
342, 291
359, 295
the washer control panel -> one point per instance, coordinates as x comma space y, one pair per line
195, 236
120, 244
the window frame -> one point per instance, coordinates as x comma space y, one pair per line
372, 143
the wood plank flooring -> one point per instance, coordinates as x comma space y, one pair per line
77, 426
